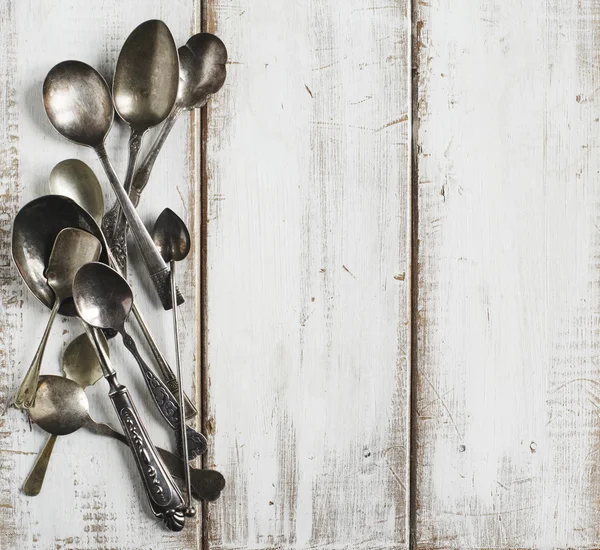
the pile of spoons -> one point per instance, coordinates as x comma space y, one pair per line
72, 255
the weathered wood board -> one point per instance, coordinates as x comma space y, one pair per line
507, 431
91, 497
307, 377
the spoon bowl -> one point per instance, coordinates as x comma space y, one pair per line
35, 229
75, 179
78, 103
80, 362
171, 236
102, 297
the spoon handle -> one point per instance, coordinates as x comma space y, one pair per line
166, 403
206, 484
35, 479
142, 174
25, 397
158, 270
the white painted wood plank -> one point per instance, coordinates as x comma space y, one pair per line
307, 370
507, 416
92, 497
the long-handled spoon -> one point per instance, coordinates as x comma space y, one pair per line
74, 414
144, 92
172, 239
202, 72
81, 365
79, 106
103, 299
72, 249
77, 180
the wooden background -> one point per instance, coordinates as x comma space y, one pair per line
391, 320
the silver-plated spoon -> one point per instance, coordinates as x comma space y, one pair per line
202, 72
173, 241
81, 365
72, 249
76, 180
74, 414
79, 106
144, 92
103, 300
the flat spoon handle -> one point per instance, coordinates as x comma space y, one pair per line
25, 397
35, 479
166, 403
158, 270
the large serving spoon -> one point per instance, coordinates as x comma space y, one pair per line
144, 92
81, 365
202, 72
76, 180
72, 249
173, 241
79, 106
103, 299
62, 406
81, 184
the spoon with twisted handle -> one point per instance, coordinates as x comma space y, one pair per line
202, 73
103, 299
78, 104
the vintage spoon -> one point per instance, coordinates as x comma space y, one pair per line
78, 104
144, 92
72, 249
202, 72
103, 300
172, 239
76, 180
82, 183
81, 365
74, 414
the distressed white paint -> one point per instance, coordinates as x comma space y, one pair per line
507, 418
308, 179
92, 497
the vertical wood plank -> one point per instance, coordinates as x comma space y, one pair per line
507, 416
307, 305
92, 497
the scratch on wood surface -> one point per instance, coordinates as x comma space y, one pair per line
403, 118
308, 90
348, 271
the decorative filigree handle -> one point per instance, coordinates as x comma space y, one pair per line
165, 402
165, 498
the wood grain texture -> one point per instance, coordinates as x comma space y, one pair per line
507, 426
92, 497
307, 304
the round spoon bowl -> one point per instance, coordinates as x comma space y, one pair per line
102, 297
35, 229
78, 103
75, 179
61, 406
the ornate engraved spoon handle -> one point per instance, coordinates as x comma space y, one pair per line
165, 402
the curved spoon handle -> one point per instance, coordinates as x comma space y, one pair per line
166, 403
25, 397
206, 484
142, 174
35, 479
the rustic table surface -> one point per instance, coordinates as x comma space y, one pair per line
391, 321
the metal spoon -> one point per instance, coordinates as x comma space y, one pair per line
81, 365
74, 414
82, 184
172, 239
72, 249
144, 92
76, 180
202, 72
103, 300
78, 104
